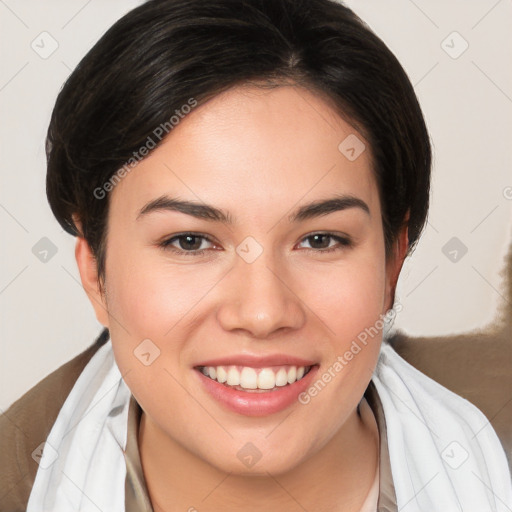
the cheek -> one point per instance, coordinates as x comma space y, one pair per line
148, 300
347, 297
151, 296
349, 300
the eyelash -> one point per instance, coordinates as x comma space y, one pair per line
343, 243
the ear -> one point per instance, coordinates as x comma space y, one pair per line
395, 263
89, 276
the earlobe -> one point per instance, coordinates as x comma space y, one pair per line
87, 268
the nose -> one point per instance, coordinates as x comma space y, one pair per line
259, 299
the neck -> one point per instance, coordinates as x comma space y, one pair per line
337, 477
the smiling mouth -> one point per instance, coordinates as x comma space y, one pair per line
255, 380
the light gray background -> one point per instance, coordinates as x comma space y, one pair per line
46, 317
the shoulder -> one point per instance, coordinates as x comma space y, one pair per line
27, 423
474, 366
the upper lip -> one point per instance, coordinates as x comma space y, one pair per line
257, 361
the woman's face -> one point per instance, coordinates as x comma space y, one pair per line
260, 291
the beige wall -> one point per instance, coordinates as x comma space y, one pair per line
45, 316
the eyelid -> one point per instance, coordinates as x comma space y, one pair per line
342, 238
166, 241
344, 242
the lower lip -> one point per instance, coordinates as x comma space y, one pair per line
257, 404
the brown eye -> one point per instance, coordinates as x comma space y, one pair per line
322, 242
186, 243
189, 242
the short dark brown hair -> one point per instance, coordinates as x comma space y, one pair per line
163, 53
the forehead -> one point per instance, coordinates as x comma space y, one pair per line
255, 152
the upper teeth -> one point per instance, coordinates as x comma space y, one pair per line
255, 378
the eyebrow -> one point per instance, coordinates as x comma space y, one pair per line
208, 212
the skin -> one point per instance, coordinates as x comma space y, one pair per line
293, 299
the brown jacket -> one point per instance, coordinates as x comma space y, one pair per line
478, 371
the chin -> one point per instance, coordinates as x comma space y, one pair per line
246, 457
